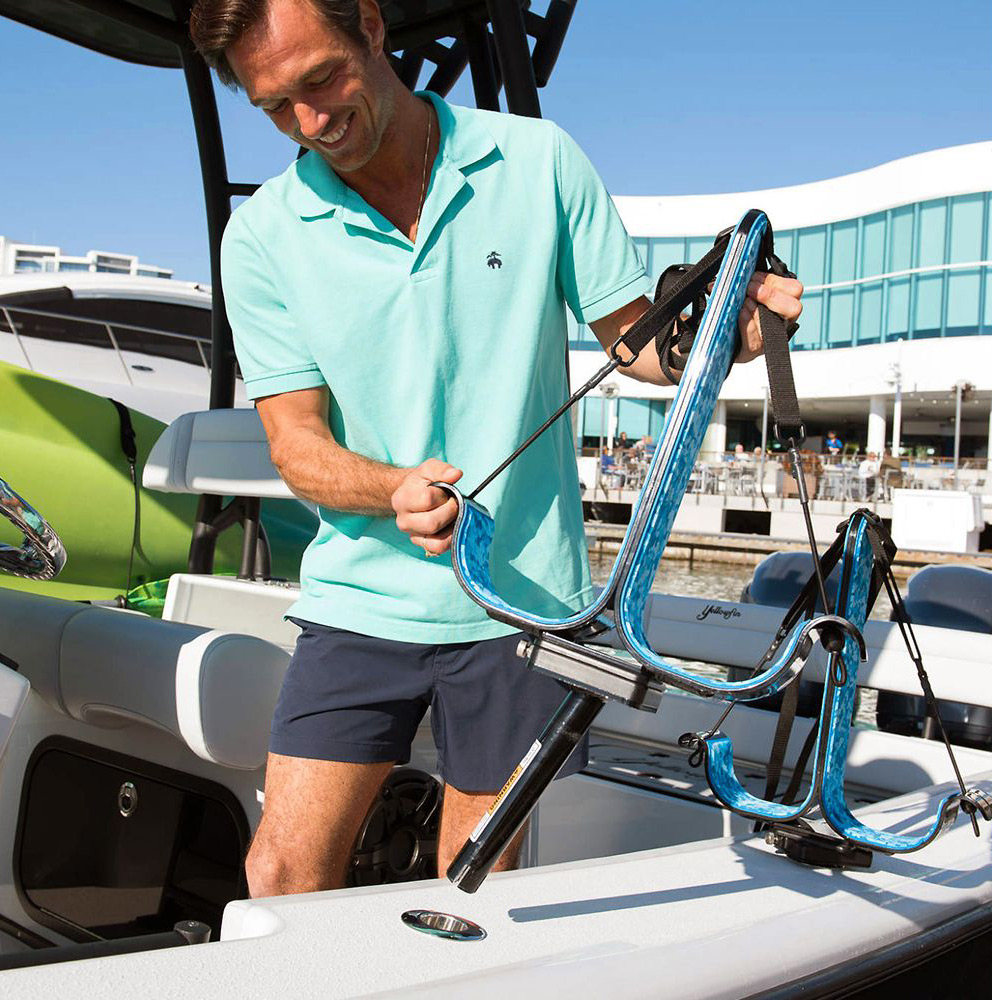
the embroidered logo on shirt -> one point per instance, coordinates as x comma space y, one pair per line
493, 259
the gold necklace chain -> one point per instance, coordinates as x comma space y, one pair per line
423, 179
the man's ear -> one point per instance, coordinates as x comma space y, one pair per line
372, 25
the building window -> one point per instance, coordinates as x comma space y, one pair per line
664, 253
963, 291
840, 318
784, 243
870, 314
696, 247
901, 239
897, 308
812, 248
843, 247
929, 303
873, 245
808, 336
966, 228
933, 222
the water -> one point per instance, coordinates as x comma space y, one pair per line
719, 581
724, 582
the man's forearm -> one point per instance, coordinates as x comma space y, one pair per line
317, 468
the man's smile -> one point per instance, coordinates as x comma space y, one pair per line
333, 139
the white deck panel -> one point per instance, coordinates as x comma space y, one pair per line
718, 919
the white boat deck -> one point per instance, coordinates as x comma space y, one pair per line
671, 921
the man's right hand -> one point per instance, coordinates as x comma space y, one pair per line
423, 511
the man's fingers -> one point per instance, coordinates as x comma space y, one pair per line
779, 294
750, 331
434, 544
436, 471
430, 521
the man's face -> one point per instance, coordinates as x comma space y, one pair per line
317, 85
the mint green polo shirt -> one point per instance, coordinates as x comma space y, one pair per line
452, 347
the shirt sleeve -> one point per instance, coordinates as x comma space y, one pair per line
599, 269
271, 352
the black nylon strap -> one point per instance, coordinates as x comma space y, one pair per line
684, 289
775, 334
803, 606
128, 444
783, 730
799, 768
681, 332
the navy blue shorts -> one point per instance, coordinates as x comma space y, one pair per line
359, 699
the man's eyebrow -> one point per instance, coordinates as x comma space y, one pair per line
328, 65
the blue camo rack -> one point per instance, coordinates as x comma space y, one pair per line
829, 755
593, 675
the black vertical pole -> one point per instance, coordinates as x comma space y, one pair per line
216, 194
517, 798
217, 200
480, 60
513, 53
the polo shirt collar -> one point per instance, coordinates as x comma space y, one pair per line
316, 190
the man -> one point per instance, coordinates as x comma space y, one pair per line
833, 444
386, 349
867, 473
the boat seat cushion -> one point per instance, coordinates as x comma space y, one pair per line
215, 451
213, 690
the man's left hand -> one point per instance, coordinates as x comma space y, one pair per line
780, 295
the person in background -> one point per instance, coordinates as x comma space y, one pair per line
833, 444
645, 448
867, 474
890, 471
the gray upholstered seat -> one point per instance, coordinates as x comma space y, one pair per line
213, 690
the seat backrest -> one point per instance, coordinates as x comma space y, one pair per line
214, 451
213, 690
958, 597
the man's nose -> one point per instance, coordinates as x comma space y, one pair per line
312, 123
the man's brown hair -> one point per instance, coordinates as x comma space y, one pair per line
215, 25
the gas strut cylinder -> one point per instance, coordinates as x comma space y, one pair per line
517, 798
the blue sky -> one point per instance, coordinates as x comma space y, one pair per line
665, 98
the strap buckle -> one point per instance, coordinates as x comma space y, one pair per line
615, 354
797, 438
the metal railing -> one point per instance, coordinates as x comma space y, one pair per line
22, 331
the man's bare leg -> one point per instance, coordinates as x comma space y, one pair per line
460, 813
313, 810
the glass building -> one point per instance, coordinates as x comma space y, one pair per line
893, 255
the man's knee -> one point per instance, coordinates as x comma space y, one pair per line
276, 868
313, 810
